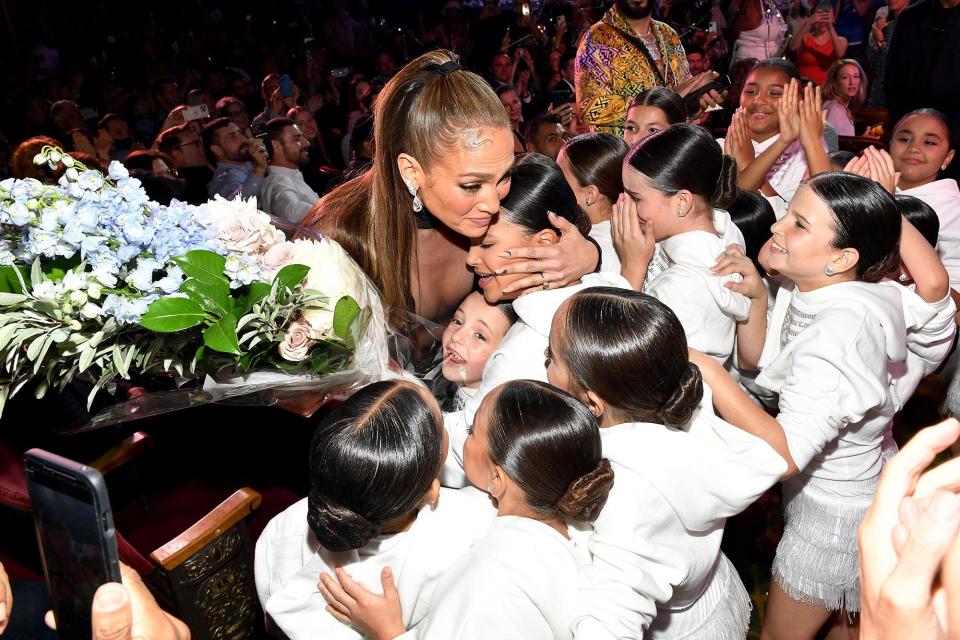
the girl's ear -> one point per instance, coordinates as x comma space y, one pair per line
595, 404
433, 493
683, 202
949, 157
591, 194
846, 260
546, 237
498, 483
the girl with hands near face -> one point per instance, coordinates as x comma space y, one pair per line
537, 451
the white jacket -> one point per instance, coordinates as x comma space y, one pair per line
943, 196
520, 356
836, 392
289, 561
656, 542
518, 583
707, 310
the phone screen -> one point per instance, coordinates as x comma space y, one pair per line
71, 532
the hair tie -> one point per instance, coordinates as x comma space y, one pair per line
448, 67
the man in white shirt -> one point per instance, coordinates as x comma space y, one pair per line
284, 192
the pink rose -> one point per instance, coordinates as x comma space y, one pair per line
241, 237
296, 343
278, 256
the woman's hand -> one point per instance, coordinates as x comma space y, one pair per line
737, 142
633, 240
378, 617
553, 266
908, 539
734, 260
789, 111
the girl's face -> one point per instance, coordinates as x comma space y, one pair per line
557, 373
920, 148
464, 185
849, 81
474, 333
477, 465
802, 243
486, 260
760, 98
511, 103
653, 206
642, 121
307, 124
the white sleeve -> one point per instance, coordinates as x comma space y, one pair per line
631, 568
837, 376
931, 328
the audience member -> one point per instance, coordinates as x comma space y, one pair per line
545, 134
849, 22
240, 162
878, 45
66, 116
321, 171
757, 28
284, 192
844, 90
22, 164
816, 45
269, 92
186, 148
114, 140
511, 104
362, 149
233, 108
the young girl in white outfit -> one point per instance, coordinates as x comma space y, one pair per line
831, 341
922, 146
537, 452
363, 516
676, 183
470, 338
591, 164
657, 570
538, 189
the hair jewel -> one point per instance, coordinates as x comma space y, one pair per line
448, 67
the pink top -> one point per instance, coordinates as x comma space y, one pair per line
839, 116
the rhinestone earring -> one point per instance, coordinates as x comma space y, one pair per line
417, 204
828, 270
902, 277
680, 213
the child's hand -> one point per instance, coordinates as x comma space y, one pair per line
789, 111
881, 168
633, 240
734, 260
811, 116
378, 617
737, 143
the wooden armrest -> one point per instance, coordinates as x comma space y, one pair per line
228, 513
122, 453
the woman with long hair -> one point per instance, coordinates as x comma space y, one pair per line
844, 90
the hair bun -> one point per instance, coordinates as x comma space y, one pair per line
679, 407
586, 495
726, 190
880, 270
338, 528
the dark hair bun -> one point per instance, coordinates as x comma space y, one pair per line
679, 407
880, 270
586, 495
336, 527
726, 191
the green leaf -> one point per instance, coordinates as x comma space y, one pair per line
12, 279
344, 314
172, 314
214, 298
291, 275
86, 358
205, 266
6, 334
36, 346
10, 299
258, 291
38, 362
36, 273
222, 336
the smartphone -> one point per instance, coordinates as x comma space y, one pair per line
721, 84
286, 86
78, 545
561, 21
525, 8
561, 94
340, 72
196, 112
261, 133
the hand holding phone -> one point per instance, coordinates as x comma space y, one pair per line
196, 112
74, 525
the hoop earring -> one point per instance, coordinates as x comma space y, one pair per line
828, 270
417, 203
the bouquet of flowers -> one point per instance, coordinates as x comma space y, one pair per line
99, 281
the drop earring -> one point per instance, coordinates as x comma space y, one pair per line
828, 270
417, 204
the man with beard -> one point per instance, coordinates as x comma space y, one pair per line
624, 54
285, 193
241, 163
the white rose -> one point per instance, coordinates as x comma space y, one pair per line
296, 343
333, 274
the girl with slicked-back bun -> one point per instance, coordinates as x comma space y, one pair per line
444, 152
680, 471
842, 350
374, 500
677, 182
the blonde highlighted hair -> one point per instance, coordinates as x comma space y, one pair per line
831, 85
423, 111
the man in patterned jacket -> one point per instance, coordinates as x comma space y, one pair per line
624, 54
